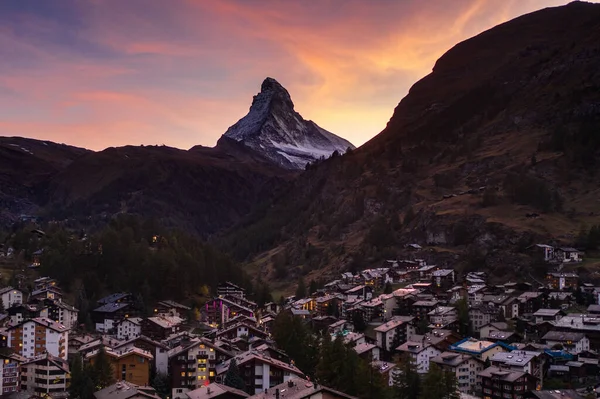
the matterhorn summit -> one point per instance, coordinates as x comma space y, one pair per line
273, 129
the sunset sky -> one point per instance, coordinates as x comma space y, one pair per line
100, 73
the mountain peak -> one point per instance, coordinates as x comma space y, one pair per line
273, 128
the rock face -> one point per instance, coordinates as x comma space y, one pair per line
274, 129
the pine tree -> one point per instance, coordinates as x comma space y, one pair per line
464, 320
233, 378
77, 376
102, 370
313, 287
433, 386
388, 288
161, 384
406, 381
451, 385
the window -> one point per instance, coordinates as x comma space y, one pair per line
183, 373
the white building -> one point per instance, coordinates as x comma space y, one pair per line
465, 367
10, 373
11, 296
36, 336
386, 333
129, 328
442, 316
420, 352
572, 342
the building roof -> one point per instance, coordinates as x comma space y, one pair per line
473, 346
111, 307
135, 320
397, 321
258, 356
414, 346
173, 304
215, 390
43, 321
563, 336
557, 394
503, 375
442, 273
561, 274
7, 289
113, 298
54, 360
453, 359
165, 321
499, 334
363, 348
426, 303
579, 322
440, 310
594, 308
298, 388
121, 354
514, 358
547, 312
125, 390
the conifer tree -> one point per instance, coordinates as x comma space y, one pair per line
301, 289
451, 385
233, 378
102, 370
406, 381
433, 386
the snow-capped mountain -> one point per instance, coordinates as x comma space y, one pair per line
279, 133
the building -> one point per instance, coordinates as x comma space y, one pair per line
367, 351
419, 352
10, 373
132, 365
442, 279
11, 296
396, 330
242, 329
420, 309
571, 342
46, 375
129, 328
228, 288
216, 391
542, 315
108, 314
482, 315
562, 281
499, 383
159, 350
302, 389
260, 372
126, 390
36, 336
160, 327
171, 308
61, 312
442, 316
567, 255
220, 310
480, 349
465, 367
193, 363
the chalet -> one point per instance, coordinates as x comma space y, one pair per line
40, 335
11, 296
405, 299
482, 315
464, 367
367, 351
426, 272
520, 360
545, 251
160, 327
61, 312
220, 310
229, 288
171, 308
373, 309
260, 372
129, 328
328, 305
359, 292
530, 302
50, 292
322, 323
216, 391
493, 326
159, 350
119, 297
421, 309
132, 365
571, 342
242, 330
475, 294
499, 383
567, 255
339, 326
548, 315
442, 279
442, 316
562, 281
108, 314
19, 313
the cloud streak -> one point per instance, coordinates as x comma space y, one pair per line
108, 72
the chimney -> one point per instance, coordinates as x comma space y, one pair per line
277, 393
208, 390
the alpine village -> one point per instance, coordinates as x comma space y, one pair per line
455, 255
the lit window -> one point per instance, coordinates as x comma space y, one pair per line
211, 374
183, 373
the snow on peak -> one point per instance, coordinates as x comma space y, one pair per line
273, 128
